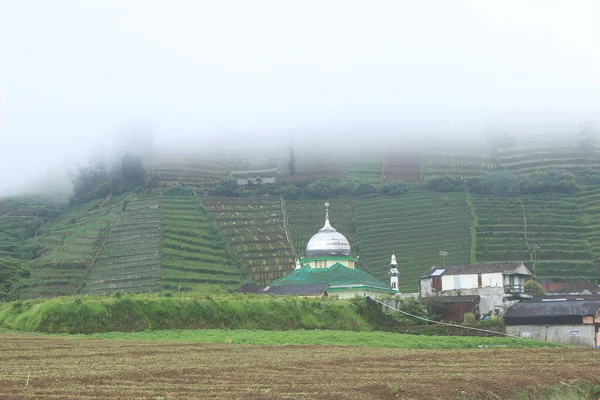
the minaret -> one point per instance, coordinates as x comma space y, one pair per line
298, 265
394, 273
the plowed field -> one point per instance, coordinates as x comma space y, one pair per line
70, 368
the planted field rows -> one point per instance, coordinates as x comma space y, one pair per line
306, 217
75, 240
201, 172
129, 258
20, 219
193, 250
557, 158
364, 168
555, 231
254, 229
416, 227
589, 204
69, 367
466, 163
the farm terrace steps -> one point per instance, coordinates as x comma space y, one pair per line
243, 223
554, 223
129, 257
193, 250
416, 227
589, 204
62, 268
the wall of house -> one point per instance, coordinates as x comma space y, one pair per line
492, 280
329, 263
580, 335
351, 293
425, 287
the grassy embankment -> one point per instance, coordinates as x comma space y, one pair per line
193, 251
137, 313
416, 227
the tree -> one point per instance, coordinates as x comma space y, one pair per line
394, 188
12, 275
292, 162
533, 288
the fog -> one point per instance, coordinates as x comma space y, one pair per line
79, 74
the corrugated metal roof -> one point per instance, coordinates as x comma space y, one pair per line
505, 268
553, 308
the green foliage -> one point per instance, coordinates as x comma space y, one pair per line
533, 288
12, 276
509, 184
446, 184
394, 188
469, 318
227, 187
126, 313
177, 190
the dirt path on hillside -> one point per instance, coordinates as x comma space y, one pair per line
68, 368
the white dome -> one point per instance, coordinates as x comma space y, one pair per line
327, 242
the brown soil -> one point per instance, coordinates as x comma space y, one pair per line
70, 368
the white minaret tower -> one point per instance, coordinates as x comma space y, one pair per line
394, 273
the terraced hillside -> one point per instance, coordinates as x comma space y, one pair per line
20, 219
561, 158
466, 163
304, 218
253, 227
589, 205
554, 224
200, 171
129, 257
416, 227
193, 251
73, 241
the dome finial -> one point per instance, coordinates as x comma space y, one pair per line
326, 211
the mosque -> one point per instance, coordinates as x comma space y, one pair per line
329, 269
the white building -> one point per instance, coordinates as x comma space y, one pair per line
497, 285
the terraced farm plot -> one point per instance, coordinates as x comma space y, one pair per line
465, 163
21, 218
253, 227
193, 250
402, 166
364, 169
129, 258
201, 172
553, 223
589, 205
304, 218
563, 158
67, 367
416, 227
74, 241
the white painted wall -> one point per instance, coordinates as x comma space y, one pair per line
492, 280
581, 335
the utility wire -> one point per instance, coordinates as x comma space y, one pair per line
442, 323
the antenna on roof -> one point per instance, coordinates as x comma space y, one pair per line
443, 254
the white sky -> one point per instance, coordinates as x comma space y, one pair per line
77, 71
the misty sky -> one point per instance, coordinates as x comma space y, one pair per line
76, 72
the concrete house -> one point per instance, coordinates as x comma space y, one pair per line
569, 320
497, 285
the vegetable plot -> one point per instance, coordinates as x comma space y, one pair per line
253, 227
556, 236
193, 250
465, 163
416, 227
129, 258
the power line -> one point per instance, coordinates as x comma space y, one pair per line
442, 323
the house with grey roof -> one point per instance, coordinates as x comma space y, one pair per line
497, 285
569, 320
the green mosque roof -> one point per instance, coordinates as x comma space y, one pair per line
336, 275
